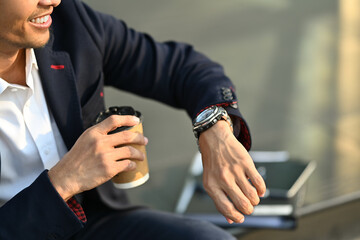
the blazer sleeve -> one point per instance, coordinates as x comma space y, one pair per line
38, 212
171, 72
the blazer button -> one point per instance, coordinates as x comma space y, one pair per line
227, 94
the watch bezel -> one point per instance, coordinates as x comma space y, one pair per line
216, 114
213, 109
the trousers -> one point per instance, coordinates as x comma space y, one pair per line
147, 224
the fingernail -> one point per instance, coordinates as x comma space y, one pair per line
146, 140
136, 119
229, 220
242, 220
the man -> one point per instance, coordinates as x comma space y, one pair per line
56, 166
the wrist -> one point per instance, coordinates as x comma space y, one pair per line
208, 118
59, 185
221, 130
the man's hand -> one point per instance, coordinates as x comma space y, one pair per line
227, 170
96, 157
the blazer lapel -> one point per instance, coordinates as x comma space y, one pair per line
58, 80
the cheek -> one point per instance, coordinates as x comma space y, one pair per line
14, 24
13, 32
12, 21
16, 10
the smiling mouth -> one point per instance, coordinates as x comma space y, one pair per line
40, 20
43, 22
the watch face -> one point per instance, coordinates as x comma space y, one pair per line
205, 115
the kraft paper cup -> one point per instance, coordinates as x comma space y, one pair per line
140, 175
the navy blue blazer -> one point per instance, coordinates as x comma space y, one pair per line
86, 51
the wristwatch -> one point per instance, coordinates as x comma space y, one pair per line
207, 118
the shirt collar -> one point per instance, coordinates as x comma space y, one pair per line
3, 85
33, 58
29, 65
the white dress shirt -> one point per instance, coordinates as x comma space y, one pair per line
29, 138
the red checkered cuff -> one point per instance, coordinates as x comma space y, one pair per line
244, 137
77, 209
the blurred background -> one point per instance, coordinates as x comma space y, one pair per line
296, 68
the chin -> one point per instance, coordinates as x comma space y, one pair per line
41, 41
40, 44
36, 41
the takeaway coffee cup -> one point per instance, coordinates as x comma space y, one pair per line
140, 175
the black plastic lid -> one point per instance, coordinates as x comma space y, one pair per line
115, 110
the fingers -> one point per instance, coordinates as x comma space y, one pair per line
233, 193
126, 153
121, 159
229, 220
257, 181
240, 200
126, 165
225, 207
234, 202
120, 138
127, 137
115, 121
228, 183
249, 191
